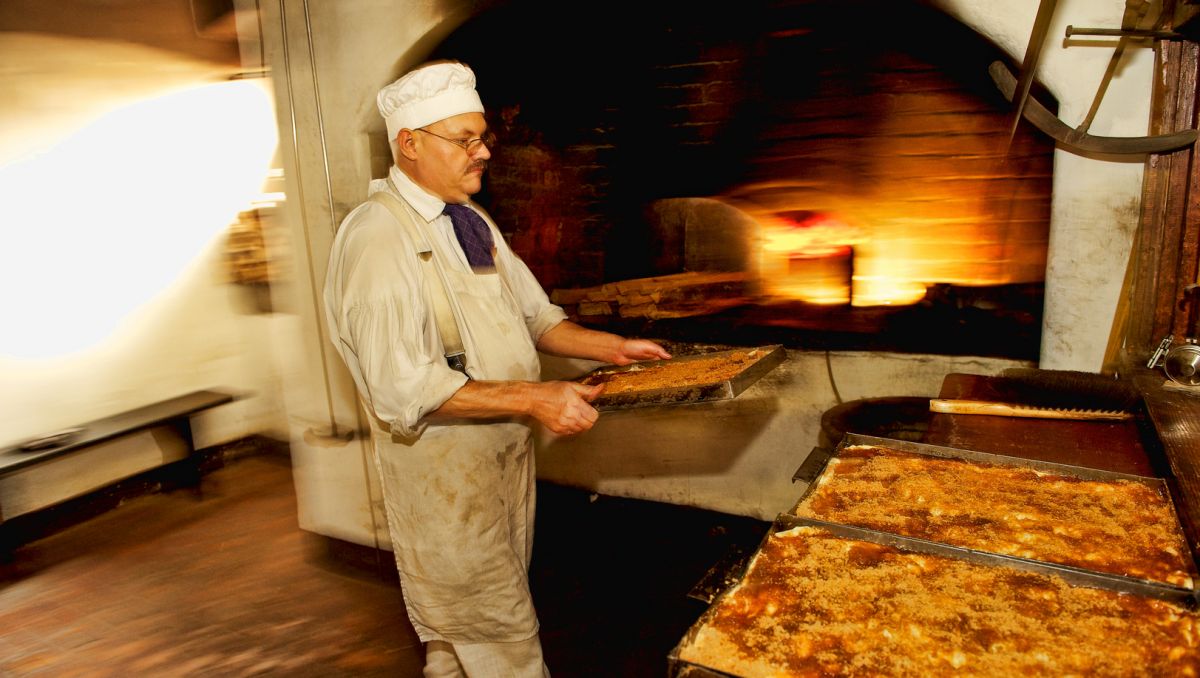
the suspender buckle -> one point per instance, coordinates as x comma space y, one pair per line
458, 363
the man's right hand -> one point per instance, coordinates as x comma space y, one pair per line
562, 406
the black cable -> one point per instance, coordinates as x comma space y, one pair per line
832, 384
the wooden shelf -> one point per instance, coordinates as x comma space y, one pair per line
15, 457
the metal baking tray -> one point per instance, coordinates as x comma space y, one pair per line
1072, 575
814, 466
684, 395
679, 668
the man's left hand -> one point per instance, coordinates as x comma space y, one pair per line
633, 350
574, 341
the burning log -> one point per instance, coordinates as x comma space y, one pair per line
668, 296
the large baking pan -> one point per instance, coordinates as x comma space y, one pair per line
727, 389
1072, 575
679, 668
815, 463
814, 466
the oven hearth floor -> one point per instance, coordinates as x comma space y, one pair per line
219, 581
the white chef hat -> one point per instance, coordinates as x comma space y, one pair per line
426, 94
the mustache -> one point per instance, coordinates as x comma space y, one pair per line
478, 164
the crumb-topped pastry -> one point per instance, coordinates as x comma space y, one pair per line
815, 604
677, 373
1113, 526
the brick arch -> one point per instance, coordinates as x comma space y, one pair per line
882, 112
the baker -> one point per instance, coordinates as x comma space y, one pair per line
440, 325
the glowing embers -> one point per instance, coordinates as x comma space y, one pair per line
808, 256
811, 257
886, 290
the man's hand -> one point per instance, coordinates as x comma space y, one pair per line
562, 406
573, 341
633, 350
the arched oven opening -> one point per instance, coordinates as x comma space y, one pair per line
833, 175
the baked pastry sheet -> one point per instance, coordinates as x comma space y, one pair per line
903, 559
682, 380
1089, 519
835, 601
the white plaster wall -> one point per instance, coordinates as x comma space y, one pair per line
737, 456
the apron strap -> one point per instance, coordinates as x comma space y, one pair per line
447, 325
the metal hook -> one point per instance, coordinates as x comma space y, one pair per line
1050, 124
1017, 90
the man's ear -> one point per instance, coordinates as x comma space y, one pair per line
406, 144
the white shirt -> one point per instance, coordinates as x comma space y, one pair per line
428, 206
377, 312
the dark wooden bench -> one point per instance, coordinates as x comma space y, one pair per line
42, 471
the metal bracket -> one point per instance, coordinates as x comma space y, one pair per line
813, 464
1161, 351
1072, 31
1033, 53
1017, 90
1050, 123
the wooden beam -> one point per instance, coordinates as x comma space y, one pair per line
1165, 247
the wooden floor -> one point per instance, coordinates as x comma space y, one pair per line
219, 581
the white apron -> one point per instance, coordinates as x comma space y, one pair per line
460, 499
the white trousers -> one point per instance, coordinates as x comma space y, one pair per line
485, 660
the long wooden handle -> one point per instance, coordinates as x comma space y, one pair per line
1013, 410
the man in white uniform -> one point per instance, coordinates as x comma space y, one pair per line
454, 449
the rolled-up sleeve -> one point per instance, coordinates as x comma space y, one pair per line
375, 303
403, 380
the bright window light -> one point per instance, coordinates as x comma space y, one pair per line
109, 217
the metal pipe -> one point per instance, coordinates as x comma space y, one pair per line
1123, 33
364, 445
312, 62
262, 48
287, 78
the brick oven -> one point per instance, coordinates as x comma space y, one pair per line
788, 173
837, 177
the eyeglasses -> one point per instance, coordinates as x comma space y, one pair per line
469, 145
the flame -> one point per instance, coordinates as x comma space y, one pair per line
805, 232
855, 253
884, 291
